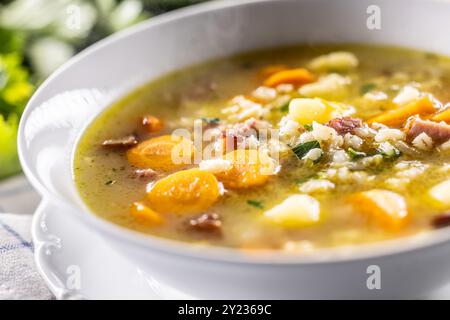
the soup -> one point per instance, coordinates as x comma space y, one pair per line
290, 149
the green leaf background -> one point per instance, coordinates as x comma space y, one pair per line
32, 31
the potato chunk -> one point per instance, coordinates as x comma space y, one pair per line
161, 153
306, 111
385, 208
441, 193
296, 211
143, 213
184, 192
332, 86
336, 61
249, 168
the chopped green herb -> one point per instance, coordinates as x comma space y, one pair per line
256, 204
15, 90
355, 154
308, 127
110, 182
285, 107
367, 87
336, 70
303, 148
305, 179
392, 155
211, 120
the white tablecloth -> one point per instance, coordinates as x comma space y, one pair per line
18, 276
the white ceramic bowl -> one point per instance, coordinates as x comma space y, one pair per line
65, 104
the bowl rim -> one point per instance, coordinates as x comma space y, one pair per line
209, 253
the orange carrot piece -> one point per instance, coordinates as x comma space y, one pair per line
272, 69
442, 116
382, 207
297, 76
152, 124
397, 117
184, 192
250, 168
144, 214
160, 152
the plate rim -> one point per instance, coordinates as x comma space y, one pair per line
47, 241
40, 246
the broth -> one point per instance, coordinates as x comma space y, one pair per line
372, 180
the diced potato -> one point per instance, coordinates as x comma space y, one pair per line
162, 153
335, 61
143, 213
306, 111
397, 117
295, 212
383, 207
249, 168
441, 194
332, 86
184, 192
298, 76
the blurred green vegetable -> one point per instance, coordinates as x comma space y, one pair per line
37, 36
160, 6
11, 42
9, 162
15, 90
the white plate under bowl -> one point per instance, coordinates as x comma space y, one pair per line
65, 248
77, 264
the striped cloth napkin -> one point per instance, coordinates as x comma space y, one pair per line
19, 278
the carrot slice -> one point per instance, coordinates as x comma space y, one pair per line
272, 69
397, 117
250, 168
162, 153
442, 116
386, 208
184, 192
143, 213
297, 76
